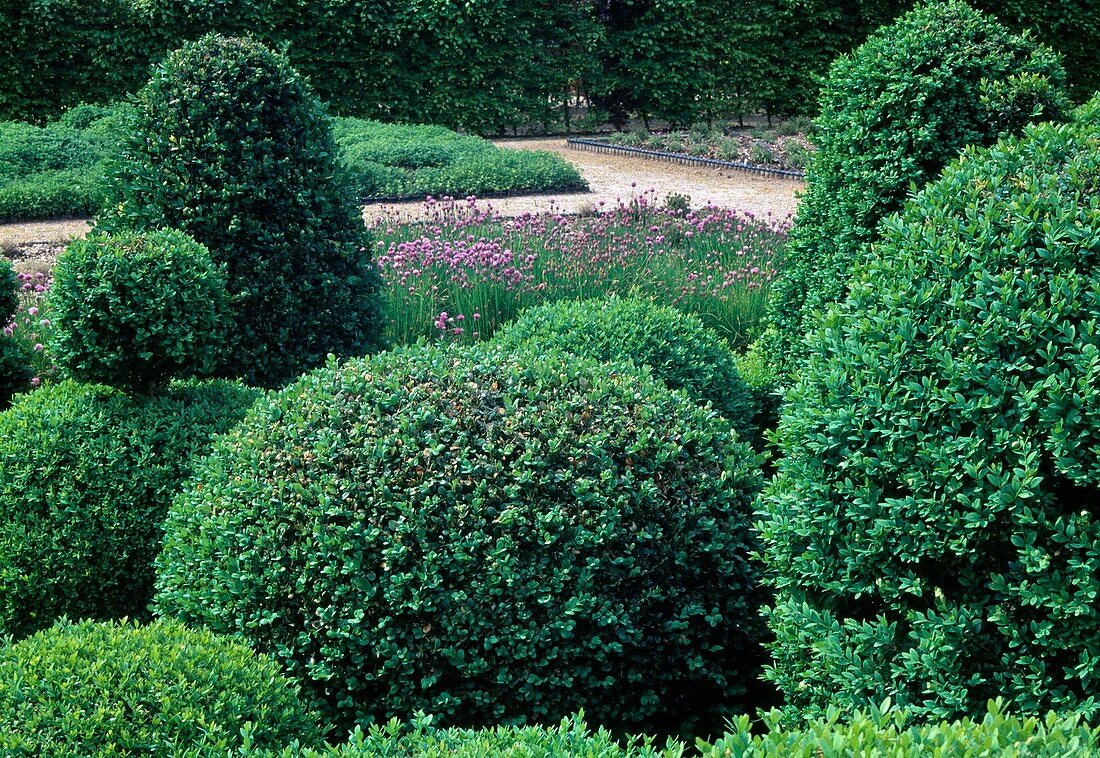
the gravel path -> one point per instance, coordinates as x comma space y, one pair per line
615, 177
611, 178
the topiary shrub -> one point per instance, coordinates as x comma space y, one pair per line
493, 539
885, 731
106, 689
134, 310
682, 352
893, 113
232, 147
86, 475
934, 528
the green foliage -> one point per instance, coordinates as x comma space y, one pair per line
496, 539
232, 147
419, 739
1071, 27
135, 310
893, 113
933, 529
882, 731
679, 350
67, 52
660, 58
15, 370
107, 689
86, 475
58, 169
418, 161
764, 388
9, 290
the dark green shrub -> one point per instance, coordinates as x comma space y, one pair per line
1069, 26
86, 475
73, 51
135, 310
676, 346
15, 370
495, 539
893, 113
106, 689
887, 732
233, 148
15, 365
420, 739
9, 290
934, 529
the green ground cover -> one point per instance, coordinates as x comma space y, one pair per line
60, 169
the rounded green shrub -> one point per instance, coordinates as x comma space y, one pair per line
893, 113
676, 346
934, 528
86, 476
232, 147
134, 310
118, 689
491, 538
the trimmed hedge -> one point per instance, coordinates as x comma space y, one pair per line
135, 310
484, 65
233, 148
496, 539
419, 739
60, 169
888, 732
893, 113
106, 689
680, 351
86, 476
387, 160
933, 530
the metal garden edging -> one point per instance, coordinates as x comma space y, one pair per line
687, 160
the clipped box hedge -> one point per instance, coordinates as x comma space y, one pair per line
60, 168
113, 690
933, 531
492, 538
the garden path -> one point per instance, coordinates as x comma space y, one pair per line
611, 177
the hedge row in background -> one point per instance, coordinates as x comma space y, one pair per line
59, 169
489, 64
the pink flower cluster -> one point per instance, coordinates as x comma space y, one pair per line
29, 325
467, 259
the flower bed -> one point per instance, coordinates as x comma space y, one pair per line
467, 270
